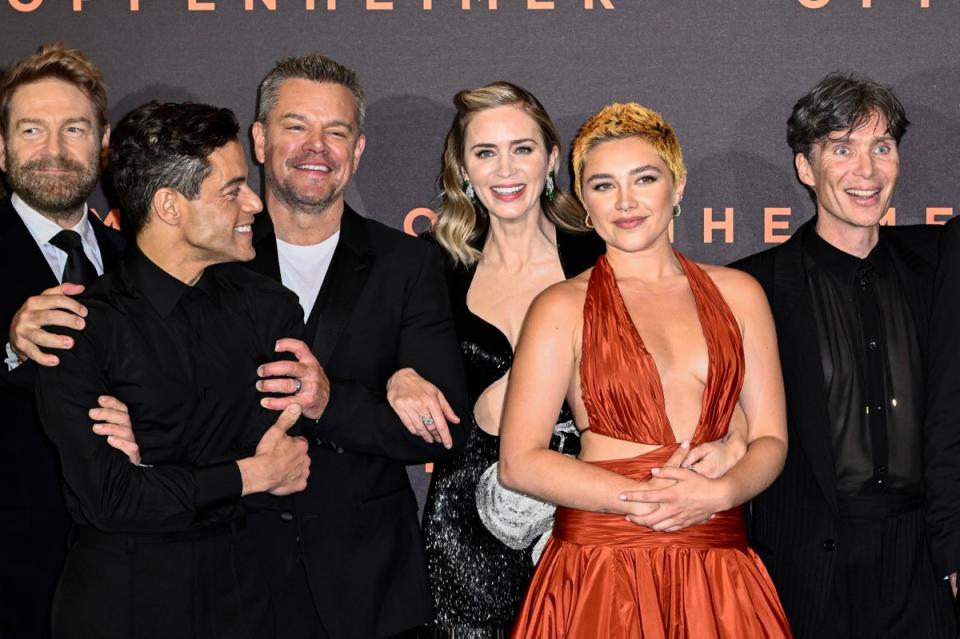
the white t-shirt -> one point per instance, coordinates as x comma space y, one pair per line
303, 268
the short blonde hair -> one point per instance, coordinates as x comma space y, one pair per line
618, 121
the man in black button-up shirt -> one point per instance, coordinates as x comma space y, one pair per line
843, 529
178, 340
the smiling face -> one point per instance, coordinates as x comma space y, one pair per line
629, 192
217, 224
853, 174
51, 152
506, 161
310, 145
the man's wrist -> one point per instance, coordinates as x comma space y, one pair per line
251, 476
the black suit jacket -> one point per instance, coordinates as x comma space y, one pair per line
383, 306
942, 443
33, 518
794, 523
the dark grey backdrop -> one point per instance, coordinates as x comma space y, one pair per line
724, 73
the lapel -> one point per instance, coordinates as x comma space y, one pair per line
28, 272
266, 261
916, 277
111, 242
346, 277
349, 270
800, 358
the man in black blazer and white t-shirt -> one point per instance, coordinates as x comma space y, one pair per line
347, 554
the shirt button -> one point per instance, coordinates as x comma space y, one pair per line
829, 545
286, 516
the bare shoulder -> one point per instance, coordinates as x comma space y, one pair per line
741, 290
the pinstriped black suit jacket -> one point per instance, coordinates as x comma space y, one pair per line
794, 523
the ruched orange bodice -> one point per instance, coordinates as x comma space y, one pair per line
619, 381
602, 576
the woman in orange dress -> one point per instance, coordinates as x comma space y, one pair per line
649, 349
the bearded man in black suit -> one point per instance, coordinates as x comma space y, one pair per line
53, 129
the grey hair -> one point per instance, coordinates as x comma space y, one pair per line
315, 67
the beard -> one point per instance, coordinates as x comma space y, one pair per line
298, 202
57, 195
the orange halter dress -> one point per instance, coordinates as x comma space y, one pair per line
602, 576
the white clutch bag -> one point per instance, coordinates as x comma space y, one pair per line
517, 520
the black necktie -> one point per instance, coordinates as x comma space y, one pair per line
79, 269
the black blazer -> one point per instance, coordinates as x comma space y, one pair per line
794, 523
383, 306
33, 519
942, 442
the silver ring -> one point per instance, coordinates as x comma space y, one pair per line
299, 385
426, 420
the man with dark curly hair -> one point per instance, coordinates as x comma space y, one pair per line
176, 333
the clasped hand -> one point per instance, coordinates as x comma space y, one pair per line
303, 381
687, 489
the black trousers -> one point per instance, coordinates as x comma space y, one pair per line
885, 586
197, 585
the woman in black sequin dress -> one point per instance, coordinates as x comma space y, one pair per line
508, 233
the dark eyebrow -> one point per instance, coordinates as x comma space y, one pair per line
488, 145
845, 139
67, 121
634, 171
299, 117
233, 182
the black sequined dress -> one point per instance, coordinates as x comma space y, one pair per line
477, 582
